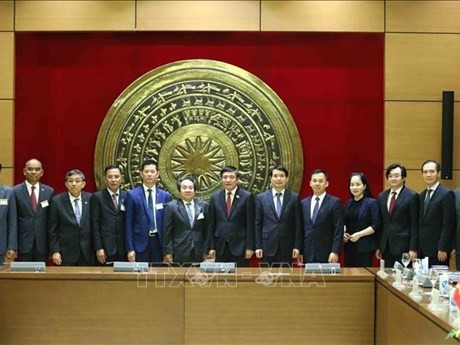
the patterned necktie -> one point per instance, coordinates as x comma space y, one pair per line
77, 211
189, 212
278, 204
427, 200
152, 211
315, 211
115, 200
392, 202
33, 199
229, 203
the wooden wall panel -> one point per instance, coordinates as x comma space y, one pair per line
326, 15
7, 133
6, 65
61, 15
7, 176
198, 15
413, 133
423, 16
415, 180
420, 67
6, 15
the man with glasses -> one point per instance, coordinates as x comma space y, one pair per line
69, 228
399, 211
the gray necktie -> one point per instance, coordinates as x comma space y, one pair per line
189, 212
152, 210
77, 211
278, 204
427, 200
115, 200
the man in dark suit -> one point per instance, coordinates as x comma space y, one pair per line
185, 225
231, 221
144, 217
399, 211
33, 200
108, 218
437, 216
69, 228
457, 210
8, 224
322, 222
278, 222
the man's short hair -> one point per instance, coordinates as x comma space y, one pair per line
230, 169
438, 165
320, 171
395, 166
149, 162
186, 178
280, 168
112, 166
75, 172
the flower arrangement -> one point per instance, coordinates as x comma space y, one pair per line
455, 333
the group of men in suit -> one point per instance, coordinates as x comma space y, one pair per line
145, 224
423, 225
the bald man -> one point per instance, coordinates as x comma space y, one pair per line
32, 200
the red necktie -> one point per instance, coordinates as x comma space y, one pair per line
392, 202
229, 203
33, 199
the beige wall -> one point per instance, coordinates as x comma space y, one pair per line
422, 52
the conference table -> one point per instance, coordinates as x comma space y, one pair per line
402, 320
167, 305
170, 305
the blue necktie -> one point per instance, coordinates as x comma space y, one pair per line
278, 205
77, 211
315, 211
152, 211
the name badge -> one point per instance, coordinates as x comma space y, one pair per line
122, 207
159, 206
44, 203
3, 202
200, 216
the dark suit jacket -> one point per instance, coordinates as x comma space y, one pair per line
237, 228
400, 229
108, 223
179, 237
368, 215
8, 221
284, 233
437, 226
138, 219
326, 235
65, 235
33, 225
457, 210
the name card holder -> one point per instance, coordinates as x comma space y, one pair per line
217, 267
121, 266
28, 266
332, 268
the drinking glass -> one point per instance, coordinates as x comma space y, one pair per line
405, 258
433, 277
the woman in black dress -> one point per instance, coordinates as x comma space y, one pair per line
362, 222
